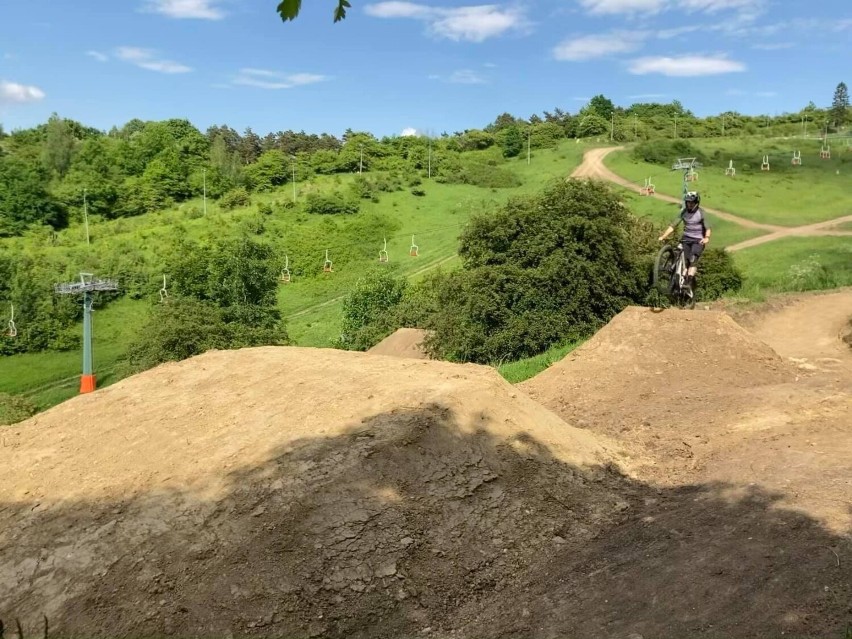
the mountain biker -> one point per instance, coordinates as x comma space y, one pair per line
696, 234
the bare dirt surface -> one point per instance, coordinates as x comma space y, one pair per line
755, 536
292, 492
593, 167
404, 342
697, 484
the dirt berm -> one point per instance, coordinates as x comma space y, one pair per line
404, 342
289, 492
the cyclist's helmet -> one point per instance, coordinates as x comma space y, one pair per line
693, 197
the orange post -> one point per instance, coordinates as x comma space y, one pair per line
87, 384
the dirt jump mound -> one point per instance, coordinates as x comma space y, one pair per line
289, 492
659, 371
404, 342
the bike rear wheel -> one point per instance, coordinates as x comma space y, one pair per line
664, 267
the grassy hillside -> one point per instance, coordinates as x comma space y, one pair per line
786, 195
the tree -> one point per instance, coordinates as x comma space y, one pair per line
24, 198
512, 141
289, 9
840, 105
602, 106
548, 268
367, 310
59, 146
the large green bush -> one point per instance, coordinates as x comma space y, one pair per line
369, 311
717, 275
224, 296
547, 269
330, 204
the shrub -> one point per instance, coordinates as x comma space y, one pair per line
264, 209
368, 311
417, 191
810, 275
665, 152
184, 327
547, 269
330, 204
235, 198
717, 275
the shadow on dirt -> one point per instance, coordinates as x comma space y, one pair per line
413, 521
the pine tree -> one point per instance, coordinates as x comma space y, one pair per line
840, 105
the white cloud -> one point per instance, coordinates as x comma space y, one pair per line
97, 55
773, 46
462, 76
466, 76
667, 34
623, 6
147, 59
14, 93
409, 132
197, 9
471, 23
274, 80
685, 66
399, 10
598, 46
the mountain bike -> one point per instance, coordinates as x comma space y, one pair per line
670, 276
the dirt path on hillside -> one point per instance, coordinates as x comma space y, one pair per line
593, 166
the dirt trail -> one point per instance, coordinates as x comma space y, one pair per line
593, 166
808, 330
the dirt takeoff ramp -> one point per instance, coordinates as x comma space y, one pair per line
288, 492
648, 376
404, 342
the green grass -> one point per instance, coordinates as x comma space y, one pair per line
524, 369
786, 195
792, 264
662, 213
50, 377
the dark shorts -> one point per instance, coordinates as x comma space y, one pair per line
692, 250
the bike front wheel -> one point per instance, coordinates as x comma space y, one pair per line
664, 267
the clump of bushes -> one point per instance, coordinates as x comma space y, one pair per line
664, 152
717, 275
235, 198
330, 204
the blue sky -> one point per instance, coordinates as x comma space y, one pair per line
395, 66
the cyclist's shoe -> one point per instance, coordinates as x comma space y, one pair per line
687, 289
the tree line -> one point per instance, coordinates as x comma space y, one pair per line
50, 172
